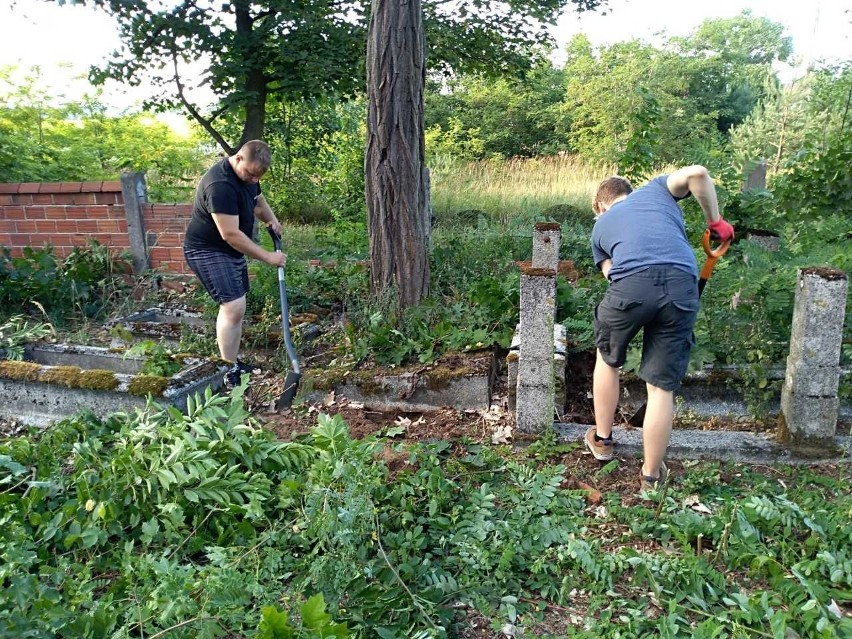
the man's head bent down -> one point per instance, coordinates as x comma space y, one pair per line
611, 190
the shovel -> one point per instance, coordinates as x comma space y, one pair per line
291, 383
712, 257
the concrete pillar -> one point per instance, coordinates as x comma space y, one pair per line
560, 343
809, 400
756, 179
135, 193
546, 239
534, 395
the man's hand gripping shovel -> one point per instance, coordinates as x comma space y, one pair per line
291, 383
713, 256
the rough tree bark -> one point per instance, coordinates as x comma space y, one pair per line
397, 180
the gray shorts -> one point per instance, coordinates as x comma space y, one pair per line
223, 276
663, 301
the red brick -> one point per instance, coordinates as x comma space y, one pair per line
56, 212
5, 239
107, 198
95, 212
111, 186
23, 199
66, 226
46, 226
118, 241
29, 187
92, 186
84, 198
87, 226
42, 198
25, 226
14, 213
109, 226
160, 254
5, 200
9, 187
50, 187
19, 239
70, 187
34, 212
62, 198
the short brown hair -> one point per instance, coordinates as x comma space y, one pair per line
256, 152
609, 190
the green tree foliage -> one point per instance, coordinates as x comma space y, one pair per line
731, 60
317, 174
628, 99
804, 132
504, 117
775, 129
254, 51
631, 103
48, 141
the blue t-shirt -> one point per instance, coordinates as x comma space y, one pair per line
643, 230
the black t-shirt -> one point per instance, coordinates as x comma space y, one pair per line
220, 191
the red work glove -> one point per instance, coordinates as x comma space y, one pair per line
721, 231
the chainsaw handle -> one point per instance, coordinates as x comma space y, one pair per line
276, 239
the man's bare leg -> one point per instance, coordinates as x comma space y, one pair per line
605, 389
229, 328
657, 429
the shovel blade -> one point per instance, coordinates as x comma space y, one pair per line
638, 418
291, 385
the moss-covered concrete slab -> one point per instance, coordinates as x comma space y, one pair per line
458, 380
55, 381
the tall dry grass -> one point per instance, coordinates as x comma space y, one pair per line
505, 191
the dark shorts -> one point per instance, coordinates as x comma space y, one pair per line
664, 302
224, 277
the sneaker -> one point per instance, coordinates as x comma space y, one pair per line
247, 368
234, 374
602, 449
654, 483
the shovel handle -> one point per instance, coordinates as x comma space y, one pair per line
276, 239
285, 307
712, 254
718, 252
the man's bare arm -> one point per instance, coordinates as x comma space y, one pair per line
696, 180
229, 229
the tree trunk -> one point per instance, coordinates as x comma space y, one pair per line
255, 80
397, 181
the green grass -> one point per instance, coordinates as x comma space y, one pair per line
518, 188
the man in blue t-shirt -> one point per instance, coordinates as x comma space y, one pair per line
639, 242
218, 239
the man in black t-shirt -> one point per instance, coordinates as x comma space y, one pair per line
218, 239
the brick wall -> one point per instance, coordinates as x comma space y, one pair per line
67, 214
165, 225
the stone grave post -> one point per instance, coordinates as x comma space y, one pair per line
134, 192
535, 384
809, 397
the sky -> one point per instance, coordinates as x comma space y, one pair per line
821, 29
66, 40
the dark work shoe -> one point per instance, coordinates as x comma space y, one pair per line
602, 449
654, 483
232, 377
